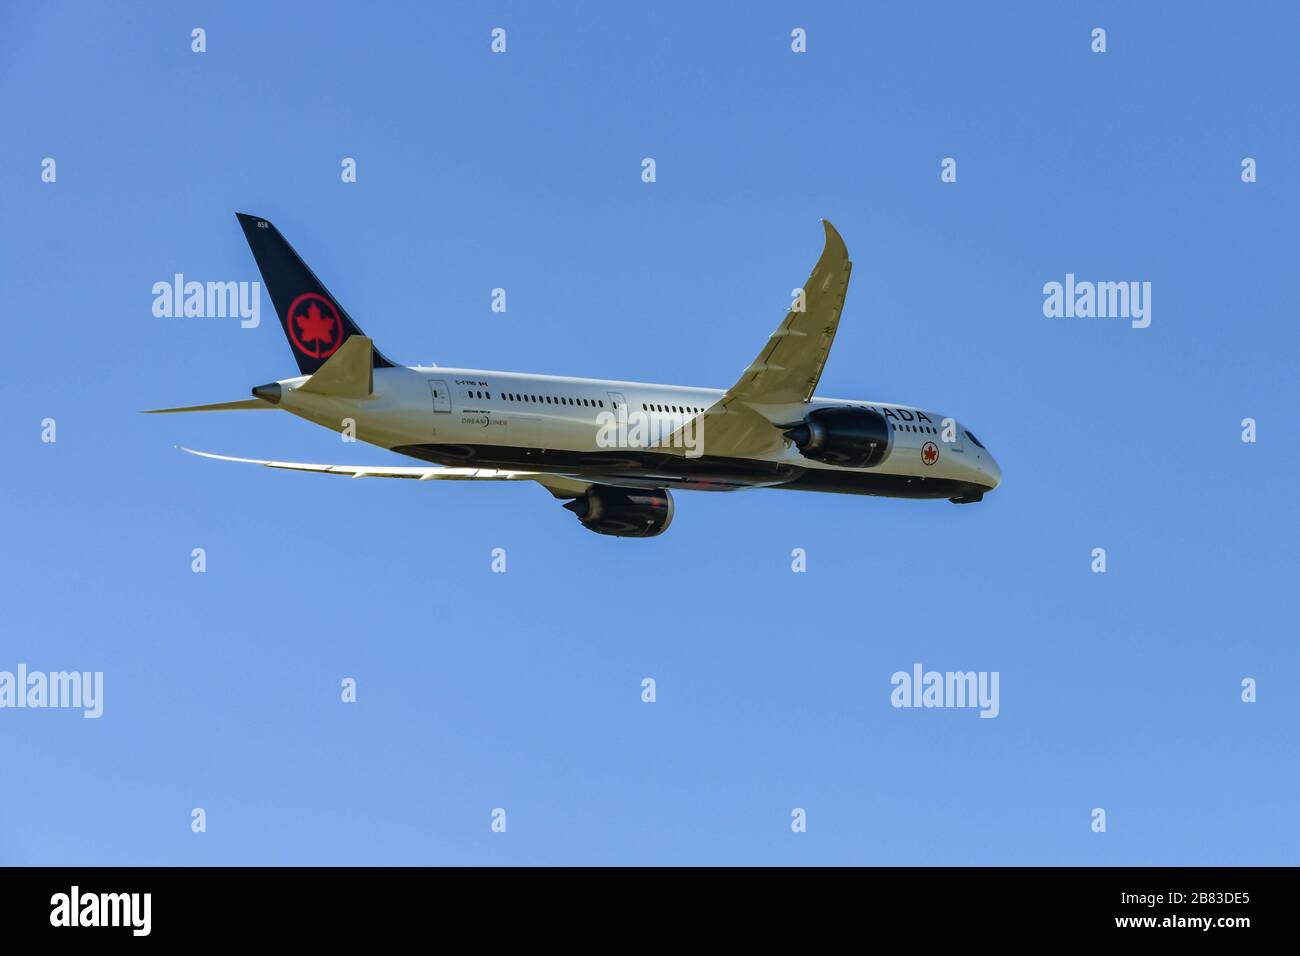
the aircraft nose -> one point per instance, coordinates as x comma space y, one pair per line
992, 470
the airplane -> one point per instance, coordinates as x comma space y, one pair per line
613, 451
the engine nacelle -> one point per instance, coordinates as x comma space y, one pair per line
624, 512
850, 436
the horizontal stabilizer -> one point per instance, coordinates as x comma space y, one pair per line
349, 372
247, 405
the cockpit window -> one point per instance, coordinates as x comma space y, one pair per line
975, 441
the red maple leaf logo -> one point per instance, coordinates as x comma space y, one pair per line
929, 453
315, 327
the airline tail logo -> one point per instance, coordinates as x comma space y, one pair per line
314, 326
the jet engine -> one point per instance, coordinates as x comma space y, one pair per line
624, 512
851, 436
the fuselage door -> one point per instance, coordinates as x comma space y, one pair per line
618, 401
441, 396
956, 443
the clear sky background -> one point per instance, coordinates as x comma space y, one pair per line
523, 690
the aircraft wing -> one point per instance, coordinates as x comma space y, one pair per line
788, 368
557, 485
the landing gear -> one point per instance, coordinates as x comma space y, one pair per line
968, 499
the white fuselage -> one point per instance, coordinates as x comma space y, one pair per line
552, 423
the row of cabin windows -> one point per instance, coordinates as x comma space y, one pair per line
553, 400
678, 409
584, 402
931, 430
652, 407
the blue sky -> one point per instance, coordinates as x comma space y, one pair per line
522, 690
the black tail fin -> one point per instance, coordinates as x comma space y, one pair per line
313, 321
